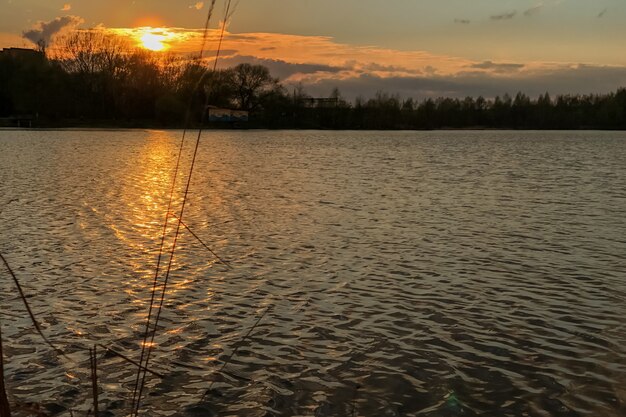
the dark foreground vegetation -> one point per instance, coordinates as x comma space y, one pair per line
96, 81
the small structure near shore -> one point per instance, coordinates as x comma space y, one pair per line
220, 115
18, 121
322, 102
21, 53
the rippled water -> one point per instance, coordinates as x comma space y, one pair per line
430, 274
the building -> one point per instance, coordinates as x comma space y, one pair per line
324, 102
217, 114
21, 53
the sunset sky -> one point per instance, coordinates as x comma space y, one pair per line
416, 48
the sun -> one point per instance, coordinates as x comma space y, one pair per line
157, 39
153, 41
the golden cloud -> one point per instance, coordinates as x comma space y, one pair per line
326, 59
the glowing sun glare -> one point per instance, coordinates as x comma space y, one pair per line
153, 42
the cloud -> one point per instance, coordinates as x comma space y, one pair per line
198, 6
320, 63
45, 31
309, 50
66, 7
602, 13
497, 67
279, 68
326, 51
504, 16
576, 79
373, 66
533, 10
462, 21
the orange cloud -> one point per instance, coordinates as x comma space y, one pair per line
311, 50
320, 60
321, 63
66, 7
354, 59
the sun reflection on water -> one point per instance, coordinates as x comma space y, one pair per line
145, 196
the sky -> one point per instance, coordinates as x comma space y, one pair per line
414, 48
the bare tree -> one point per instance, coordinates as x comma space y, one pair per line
91, 52
250, 83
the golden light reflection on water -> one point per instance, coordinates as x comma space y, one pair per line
145, 195
178, 330
144, 201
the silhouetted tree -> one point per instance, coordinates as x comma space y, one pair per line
96, 78
251, 84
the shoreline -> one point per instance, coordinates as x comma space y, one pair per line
214, 129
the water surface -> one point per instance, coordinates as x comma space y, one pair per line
396, 273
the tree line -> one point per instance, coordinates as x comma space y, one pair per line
95, 79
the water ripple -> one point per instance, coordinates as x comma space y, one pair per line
408, 274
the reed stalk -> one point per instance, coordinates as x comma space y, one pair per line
5, 409
156, 304
94, 378
129, 360
356, 392
146, 350
28, 309
207, 247
139, 379
236, 349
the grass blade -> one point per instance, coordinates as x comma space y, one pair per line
236, 349
129, 360
28, 309
207, 247
94, 378
5, 409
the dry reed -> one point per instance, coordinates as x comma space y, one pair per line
129, 360
5, 409
234, 352
28, 309
142, 365
146, 349
207, 247
94, 378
